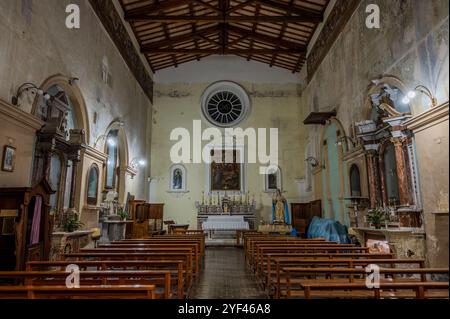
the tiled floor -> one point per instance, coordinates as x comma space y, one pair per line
224, 276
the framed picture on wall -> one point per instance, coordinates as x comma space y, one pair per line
272, 180
177, 179
9, 158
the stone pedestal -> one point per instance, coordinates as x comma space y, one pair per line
275, 229
65, 243
113, 230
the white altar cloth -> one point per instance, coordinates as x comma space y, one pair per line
225, 223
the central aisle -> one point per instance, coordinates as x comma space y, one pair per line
225, 276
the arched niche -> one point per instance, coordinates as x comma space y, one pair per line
355, 181
72, 90
92, 187
121, 168
177, 178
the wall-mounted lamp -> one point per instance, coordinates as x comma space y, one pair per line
26, 87
422, 89
138, 162
313, 161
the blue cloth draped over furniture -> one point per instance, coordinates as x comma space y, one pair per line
329, 229
286, 213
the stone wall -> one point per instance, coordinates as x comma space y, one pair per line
411, 45
36, 45
274, 104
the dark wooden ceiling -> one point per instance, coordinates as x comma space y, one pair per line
276, 32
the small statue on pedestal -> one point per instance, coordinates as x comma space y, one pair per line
280, 211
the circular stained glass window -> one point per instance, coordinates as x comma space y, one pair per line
225, 104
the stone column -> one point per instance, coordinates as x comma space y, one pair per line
382, 180
73, 183
401, 171
372, 168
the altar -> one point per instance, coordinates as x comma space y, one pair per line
241, 212
225, 223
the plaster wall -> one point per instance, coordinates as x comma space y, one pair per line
274, 104
34, 47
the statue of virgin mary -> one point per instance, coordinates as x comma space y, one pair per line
280, 211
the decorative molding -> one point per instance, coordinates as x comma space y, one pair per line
96, 154
429, 118
19, 117
107, 13
332, 28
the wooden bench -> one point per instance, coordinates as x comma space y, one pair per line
282, 262
420, 290
168, 239
85, 292
261, 258
160, 279
176, 268
124, 256
189, 249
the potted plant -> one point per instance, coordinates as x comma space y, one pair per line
122, 214
72, 223
376, 217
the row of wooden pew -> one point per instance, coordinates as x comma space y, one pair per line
162, 266
290, 267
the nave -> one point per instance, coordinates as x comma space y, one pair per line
266, 266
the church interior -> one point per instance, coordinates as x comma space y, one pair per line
224, 149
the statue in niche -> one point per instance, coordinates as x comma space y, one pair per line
177, 179
280, 211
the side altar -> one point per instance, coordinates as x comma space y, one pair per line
234, 205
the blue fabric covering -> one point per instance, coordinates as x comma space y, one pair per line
286, 213
329, 229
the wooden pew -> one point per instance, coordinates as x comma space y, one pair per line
85, 292
168, 239
326, 249
176, 268
189, 249
160, 279
275, 274
186, 257
250, 243
297, 276
421, 290
252, 250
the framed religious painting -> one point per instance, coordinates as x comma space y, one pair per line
225, 170
177, 178
272, 180
9, 158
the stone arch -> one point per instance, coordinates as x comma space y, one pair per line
74, 92
123, 150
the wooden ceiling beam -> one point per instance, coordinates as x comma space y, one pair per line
266, 39
240, 6
227, 51
207, 5
292, 9
168, 4
221, 19
179, 39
